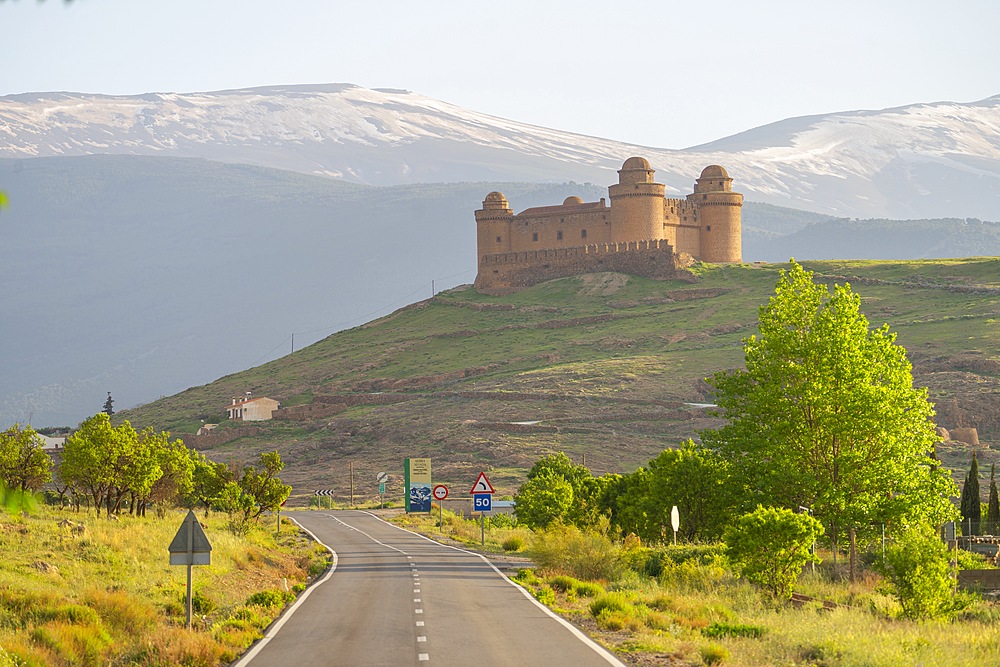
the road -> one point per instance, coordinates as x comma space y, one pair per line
396, 598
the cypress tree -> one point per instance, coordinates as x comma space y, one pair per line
969, 504
993, 508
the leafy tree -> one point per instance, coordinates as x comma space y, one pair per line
585, 501
208, 479
259, 490
769, 547
544, 499
109, 406
917, 567
176, 468
825, 415
693, 478
24, 464
969, 504
993, 506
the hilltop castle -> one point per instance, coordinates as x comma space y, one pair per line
641, 232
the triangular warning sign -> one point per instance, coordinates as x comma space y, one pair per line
482, 485
190, 538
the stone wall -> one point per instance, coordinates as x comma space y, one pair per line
983, 580
505, 273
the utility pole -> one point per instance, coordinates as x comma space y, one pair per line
352, 484
293, 343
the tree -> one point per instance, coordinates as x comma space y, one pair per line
263, 486
993, 506
826, 416
969, 504
24, 464
545, 498
770, 546
584, 506
208, 479
176, 468
109, 405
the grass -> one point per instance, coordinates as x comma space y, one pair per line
107, 595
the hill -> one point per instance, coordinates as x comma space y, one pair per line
605, 367
144, 275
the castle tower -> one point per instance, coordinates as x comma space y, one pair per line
719, 216
493, 225
636, 203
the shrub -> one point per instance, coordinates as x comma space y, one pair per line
526, 577
609, 602
717, 630
619, 620
562, 583
771, 545
582, 554
589, 589
545, 595
917, 567
269, 599
507, 521
713, 654
513, 543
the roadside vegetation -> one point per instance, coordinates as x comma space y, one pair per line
85, 576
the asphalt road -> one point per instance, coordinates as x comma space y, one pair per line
395, 598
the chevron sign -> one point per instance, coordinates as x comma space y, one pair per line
324, 492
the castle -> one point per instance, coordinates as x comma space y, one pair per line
641, 232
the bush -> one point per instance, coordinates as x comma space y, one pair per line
716, 630
770, 546
917, 567
269, 599
582, 554
610, 602
589, 589
513, 543
713, 654
545, 595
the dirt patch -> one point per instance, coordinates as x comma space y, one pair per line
602, 284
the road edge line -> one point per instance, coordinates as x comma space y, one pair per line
272, 629
577, 632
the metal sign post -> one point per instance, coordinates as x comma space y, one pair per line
482, 501
382, 478
440, 492
190, 546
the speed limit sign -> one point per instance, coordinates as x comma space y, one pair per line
440, 492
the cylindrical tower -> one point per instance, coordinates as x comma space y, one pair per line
493, 225
718, 215
636, 203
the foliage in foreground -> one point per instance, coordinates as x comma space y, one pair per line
917, 568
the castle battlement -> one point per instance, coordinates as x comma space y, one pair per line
641, 232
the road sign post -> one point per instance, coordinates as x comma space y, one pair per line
190, 546
382, 478
482, 500
440, 492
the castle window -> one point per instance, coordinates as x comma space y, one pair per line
559, 235
704, 196
534, 236
562, 219
708, 228
583, 233
498, 239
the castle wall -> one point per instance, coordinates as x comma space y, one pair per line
504, 273
566, 228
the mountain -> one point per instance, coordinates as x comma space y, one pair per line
918, 161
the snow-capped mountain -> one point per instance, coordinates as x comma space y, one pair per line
919, 161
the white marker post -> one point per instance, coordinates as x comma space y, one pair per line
675, 521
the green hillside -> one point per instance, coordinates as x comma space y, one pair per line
602, 366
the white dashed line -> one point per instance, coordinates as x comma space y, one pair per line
423, 657
416, 599
419, 611
420, 624
421, 639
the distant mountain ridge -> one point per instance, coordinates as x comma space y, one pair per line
916, 161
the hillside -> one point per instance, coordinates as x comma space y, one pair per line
602, 366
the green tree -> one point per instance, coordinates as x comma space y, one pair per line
176, 468
993, 506
969, 504
24, 464
263, 486
691, 477
769, 547
585, 502
208, 479
545, 498
917, 567
826, 415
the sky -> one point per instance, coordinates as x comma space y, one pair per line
661, 73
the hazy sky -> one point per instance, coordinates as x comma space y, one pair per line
665, 74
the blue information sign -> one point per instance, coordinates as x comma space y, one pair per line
482, 502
